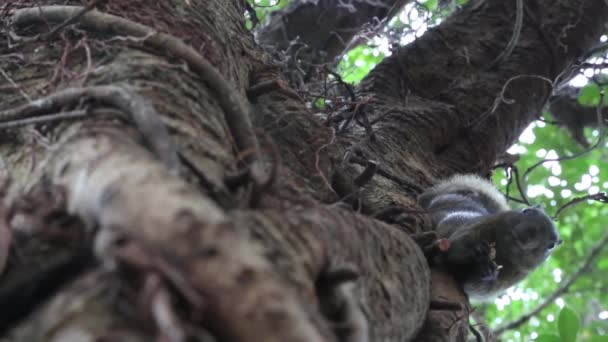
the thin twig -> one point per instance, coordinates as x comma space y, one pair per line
349, 88
252, 15
367, 174
15, 85
600, 197
512, 173
330, 141
73, 19
501, 99
74, 114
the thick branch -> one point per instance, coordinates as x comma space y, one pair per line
112, 181
448, 66
326, 27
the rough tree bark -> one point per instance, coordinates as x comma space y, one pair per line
127, 140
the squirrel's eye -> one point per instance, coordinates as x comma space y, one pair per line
550, 246
526, 210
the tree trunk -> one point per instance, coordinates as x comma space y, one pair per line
166, 182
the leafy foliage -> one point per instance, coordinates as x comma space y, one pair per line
552, 185
262, 9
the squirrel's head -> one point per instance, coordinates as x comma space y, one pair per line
532, 236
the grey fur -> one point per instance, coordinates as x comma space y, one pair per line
491, 246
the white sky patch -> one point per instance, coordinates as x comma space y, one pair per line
541, 153
534, 335
528, 137
603, 315
403, 16
502, 301
517, 149
594, 190
594, 170
579, 80
557, 275
382, 44
420, 31
408, 38
551, 155
553, 181
560, 302
603, 38
566, 193
554, 166
515, 293
584, 184
537, 190
550, 318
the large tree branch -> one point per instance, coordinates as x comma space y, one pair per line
208, 258
325, 27
116, 184
448, 68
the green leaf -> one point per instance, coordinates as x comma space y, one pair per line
548, 338
430, 5
589, 95
568, 325
598, 339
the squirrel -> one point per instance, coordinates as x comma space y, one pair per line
492, 247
